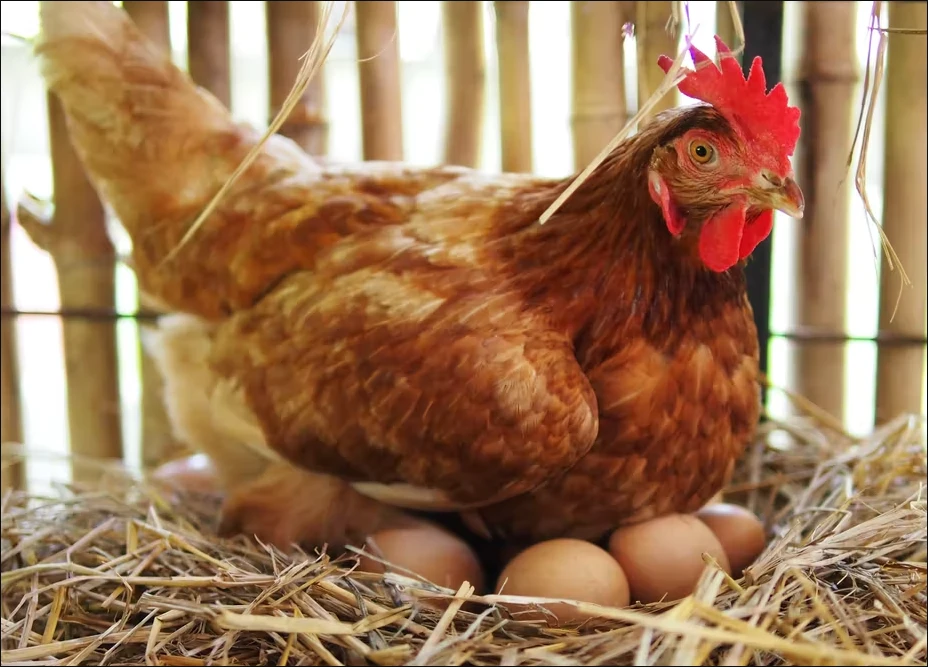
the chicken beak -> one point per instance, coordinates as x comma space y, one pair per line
788, 198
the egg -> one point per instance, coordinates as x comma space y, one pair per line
191, 474
740, 533
663, 557
563, 568
426, 550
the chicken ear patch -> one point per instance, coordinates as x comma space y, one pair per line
660, 193
720, 240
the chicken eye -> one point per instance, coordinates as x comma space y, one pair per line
701, 152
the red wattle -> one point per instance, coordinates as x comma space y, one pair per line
755, 231
720, 239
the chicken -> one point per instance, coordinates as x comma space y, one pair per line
406, 337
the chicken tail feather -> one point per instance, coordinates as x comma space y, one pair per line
158, 148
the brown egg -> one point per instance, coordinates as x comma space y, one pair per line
428, 551
191, 474
663, 557
563, 568
738, 530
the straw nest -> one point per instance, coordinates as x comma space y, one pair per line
123, 577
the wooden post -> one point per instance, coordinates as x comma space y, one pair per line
515, 89
598, 90
653, 41
379, 77
465, 78
10, 415
151, 16
900, 379
158, 443
208, 57
828, 100
291, 28
77, 239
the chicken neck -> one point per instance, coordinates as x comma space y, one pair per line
605, 265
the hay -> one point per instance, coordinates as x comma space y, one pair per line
123, 577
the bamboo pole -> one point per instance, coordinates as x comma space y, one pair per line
158, 444
598, 82
151, 17
76, 238
725, 25
653, 40
900, 380
291, 27
208, 53
11, 472
827, 85
465, 78
379, 77
515, 90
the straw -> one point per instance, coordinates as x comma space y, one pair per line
123, 577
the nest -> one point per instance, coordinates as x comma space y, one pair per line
124, 577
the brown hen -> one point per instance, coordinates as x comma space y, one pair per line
380, 335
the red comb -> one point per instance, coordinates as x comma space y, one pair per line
765, 119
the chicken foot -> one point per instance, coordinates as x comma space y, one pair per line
287, 505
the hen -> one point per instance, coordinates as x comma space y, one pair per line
357, 338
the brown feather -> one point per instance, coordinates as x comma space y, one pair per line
388, 324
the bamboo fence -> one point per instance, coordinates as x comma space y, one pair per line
76, 234
77, 239
829, 100
515, 89
10, 410
290, 27
901, 348
465, 79
208, 50
598, 91
655, 36
379, 75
